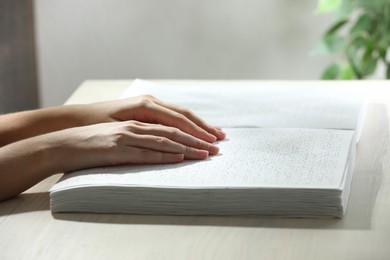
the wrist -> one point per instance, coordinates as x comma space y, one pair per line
22, 165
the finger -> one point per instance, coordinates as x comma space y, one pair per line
163, 144
156, 113
217, 132
146, 156
174, 134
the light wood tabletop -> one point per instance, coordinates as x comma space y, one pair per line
28, 229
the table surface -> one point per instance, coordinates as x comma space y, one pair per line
28, 230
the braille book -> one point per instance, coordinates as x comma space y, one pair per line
289, 152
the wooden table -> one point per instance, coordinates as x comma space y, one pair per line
28, 230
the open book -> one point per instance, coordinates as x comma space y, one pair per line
289, 152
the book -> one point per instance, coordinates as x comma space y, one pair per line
289, 152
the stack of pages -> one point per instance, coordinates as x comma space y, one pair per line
289, 152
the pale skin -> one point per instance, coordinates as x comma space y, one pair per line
142, 130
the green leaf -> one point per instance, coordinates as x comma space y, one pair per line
387, 37
319, 49
361, 35
362, 55
347, 72
388, 72
346, 8
331, 72
352, 57
365, 23
368, 60
358, 41
336, 26
369, 66
382, 50
372, 5
334, 43
327, 6
386, 14
330, 44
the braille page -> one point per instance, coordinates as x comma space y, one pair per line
250, 158
259, 105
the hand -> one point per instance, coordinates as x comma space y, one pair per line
128, 142
152, 110
26, 162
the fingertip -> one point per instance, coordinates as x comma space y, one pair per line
213, 138
196, 154
205, 136
203, 154
220, 134
214, 150
217, 132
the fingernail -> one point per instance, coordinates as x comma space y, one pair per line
214, 149
212, 138
221, 134
202, 154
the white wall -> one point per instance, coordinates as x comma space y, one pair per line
176, 39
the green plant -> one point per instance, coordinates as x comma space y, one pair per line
359, 38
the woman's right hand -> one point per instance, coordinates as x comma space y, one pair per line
149, 109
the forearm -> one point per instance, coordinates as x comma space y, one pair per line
22, 125
22, 165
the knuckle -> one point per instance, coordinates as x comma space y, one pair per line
174, 132
111, 146
182, 117
199, 143
128, 125
133, 127
148, 97
138, 123
161, 140
144, 102
188, 150
186, 112
119, 137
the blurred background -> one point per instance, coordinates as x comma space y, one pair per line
48, 48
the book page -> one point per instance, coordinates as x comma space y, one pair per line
250, 158
254, 105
